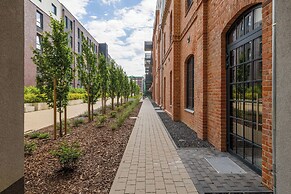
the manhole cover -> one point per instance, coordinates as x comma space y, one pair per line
224, 165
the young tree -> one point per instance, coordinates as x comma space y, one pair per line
87, 73
54, 68
112, 85
119, 77
132, 86
125, 87
103, 80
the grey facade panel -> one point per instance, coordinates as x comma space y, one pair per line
283, 96
11, 95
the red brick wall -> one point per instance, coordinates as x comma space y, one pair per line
201, 31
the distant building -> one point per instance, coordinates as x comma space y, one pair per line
148, 48
37, 21
139, 81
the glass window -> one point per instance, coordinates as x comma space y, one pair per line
71, 42
189, 3
240, 29
258, 18
71, 25
249, 51
79, 49
66, 22
258, 48
249, 22
38, 41
190, 84
232, 36
39, 19
79, 34
54, 9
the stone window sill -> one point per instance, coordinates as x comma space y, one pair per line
189, 111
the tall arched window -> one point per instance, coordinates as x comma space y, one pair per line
190, 83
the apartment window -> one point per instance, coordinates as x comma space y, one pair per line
79, 49
39, 19
54, 9
38, 41
66, 21
71, 42
189, 3
79, 33
71, 25
190, 83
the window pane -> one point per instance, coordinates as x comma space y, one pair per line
233, 75
258, 18
249, 22
240, 55
240, 128
232, 36
240, 29
248, 51
248, 131
258, 70
240, 73
240, 91
258, 48
249, 92
258, 156
233, 109
248, 111
248, 72
233, 143
257, 91
233, 92
258, 134
233, 58
248, 151
240, 147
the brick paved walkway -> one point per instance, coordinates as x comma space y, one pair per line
151, 163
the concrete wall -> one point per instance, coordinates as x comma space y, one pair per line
11, 96
283, 94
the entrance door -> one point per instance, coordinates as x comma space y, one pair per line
244, 86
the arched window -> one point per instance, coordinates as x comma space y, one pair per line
190, 83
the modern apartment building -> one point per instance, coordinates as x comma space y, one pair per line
37, 21
212, 70
148, 62
138, 80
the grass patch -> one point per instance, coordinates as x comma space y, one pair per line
78, 121
29, 148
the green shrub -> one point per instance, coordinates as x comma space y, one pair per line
32, 98
29, 148
119, 109
34, 135
76, 96
77, 90
43, 136
68, 155
78, 121
113, 114
31, 90
101, 119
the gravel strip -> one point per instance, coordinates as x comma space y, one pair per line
183, 136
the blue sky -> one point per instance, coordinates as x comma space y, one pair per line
123, 24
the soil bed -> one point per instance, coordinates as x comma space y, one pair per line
102, 151
182, 135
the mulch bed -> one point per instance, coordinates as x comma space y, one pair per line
183, 136
102, 151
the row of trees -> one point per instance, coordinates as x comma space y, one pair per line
55, 74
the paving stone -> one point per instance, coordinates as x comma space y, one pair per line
151, 162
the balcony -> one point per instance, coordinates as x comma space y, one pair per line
148, 46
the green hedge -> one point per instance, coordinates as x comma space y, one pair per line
33, 95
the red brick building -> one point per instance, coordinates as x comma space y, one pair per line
212, 70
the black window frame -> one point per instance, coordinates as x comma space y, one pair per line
54, 9
41, 19
190, 83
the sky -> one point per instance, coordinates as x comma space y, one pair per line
123, 24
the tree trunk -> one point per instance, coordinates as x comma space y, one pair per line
55, 109
92, 106
104, 104
61, 126
117, 101
88, 93
112, 103
65, 120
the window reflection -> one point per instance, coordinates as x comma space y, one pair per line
240, 29
248, 51
258, 48
248, 151
258, 18
258, 70
249, 22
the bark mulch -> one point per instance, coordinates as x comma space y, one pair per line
183, 136
102, 150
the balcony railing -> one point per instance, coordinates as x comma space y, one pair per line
148, 45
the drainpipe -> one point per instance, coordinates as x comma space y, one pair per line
274, 95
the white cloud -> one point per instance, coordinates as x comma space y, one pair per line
109, 2
76, 7
93, 17
125, 34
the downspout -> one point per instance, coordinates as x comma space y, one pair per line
274, 94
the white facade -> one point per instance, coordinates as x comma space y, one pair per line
47, 7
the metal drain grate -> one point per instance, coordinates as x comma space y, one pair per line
224, 165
